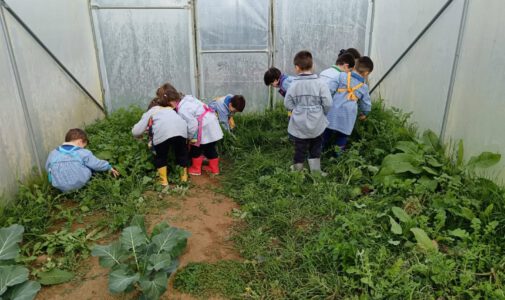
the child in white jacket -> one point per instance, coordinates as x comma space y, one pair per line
204, 130
169, 131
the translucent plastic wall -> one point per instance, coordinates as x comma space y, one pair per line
451, 87
322, 27
142, 45
16, 153
234, 49
420, 82
39, 101
65, 28
219, 46
477, 106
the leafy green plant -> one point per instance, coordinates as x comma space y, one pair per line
141, 261
14, 283
399, 216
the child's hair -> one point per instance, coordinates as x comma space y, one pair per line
76, 134
271, 75
166, 94
153, 103
364, 64
303, 60
238, 102
354, 52
346, 58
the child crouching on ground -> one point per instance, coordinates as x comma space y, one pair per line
352, 91
309, 100
226, 107
70, 166
169, 130
203, 129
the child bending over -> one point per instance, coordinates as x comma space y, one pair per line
226, 107
352, 91
309, 100
70, 166
203, 129
169, 132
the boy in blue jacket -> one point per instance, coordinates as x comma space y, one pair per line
352, 93
70, 166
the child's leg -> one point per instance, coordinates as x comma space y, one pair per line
301, 146
315, 147
196, 160
160, 160
181, 156
341, 140
209, 150
327, 134
315, 155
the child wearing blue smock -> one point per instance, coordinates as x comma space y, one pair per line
225, 107
70, 166
352, 92
345, 63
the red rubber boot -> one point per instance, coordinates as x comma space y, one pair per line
196, 166
213, 166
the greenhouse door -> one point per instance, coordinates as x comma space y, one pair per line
142, 44
234, 49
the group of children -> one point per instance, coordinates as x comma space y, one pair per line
324, 107
174, 122
321, 108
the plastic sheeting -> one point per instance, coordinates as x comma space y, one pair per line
322, 27
396, 24
142, 3
142, 49
54, 103
229, 25
236, 73
16, 155
420, 82
54, 21
233, 25
477, 107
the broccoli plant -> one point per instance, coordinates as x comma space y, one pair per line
14, 283
141, 261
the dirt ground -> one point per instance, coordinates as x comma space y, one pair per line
203, 212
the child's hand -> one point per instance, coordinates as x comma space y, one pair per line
114, 172
193, 141
362, 117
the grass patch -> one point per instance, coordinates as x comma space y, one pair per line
400, 216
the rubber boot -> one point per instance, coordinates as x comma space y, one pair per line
213, 166
163, 176
315, 166
297, 167
184, 175
196, 166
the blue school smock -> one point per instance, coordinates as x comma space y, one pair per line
344, 111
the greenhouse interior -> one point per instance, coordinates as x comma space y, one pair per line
252, 149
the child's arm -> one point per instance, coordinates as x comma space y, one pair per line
365, 103
289, 101
139, 128
93, 163
192, 122
326, 100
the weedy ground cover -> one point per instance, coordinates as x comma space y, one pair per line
399, 216
60, 228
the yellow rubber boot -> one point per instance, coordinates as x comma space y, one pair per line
162, 172
184, 175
